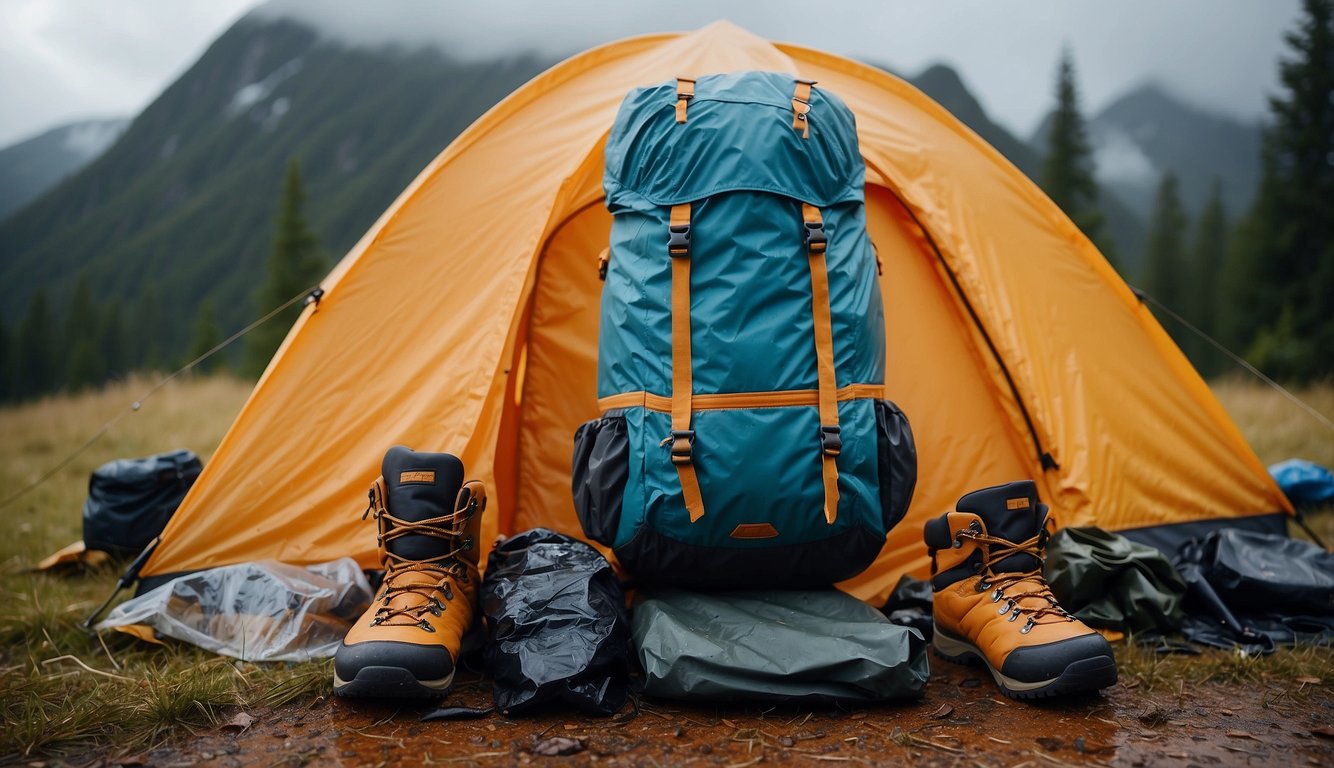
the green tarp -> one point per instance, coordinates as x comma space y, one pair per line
775, 646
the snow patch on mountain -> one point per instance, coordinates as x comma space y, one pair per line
252, 94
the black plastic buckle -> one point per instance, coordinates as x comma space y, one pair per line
831, 440
815, 237
683, 441
678, 239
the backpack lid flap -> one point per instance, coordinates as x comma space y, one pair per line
738, 136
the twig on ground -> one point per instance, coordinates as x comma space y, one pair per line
87, 668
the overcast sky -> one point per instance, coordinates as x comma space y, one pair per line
68, 59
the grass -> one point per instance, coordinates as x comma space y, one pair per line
64, 693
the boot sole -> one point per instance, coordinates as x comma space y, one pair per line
390, 683
1082, 676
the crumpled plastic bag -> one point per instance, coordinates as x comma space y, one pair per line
556, 627
261, 611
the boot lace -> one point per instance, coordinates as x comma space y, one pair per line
444, 571
993, 551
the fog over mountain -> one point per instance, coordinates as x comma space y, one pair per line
1007, 51
64, 58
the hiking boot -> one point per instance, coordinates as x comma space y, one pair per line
991, 602
407, 643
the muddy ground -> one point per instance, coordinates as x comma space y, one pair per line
963, 720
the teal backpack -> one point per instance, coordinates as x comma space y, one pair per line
745, 439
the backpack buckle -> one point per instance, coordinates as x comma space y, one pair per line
683, 441
678, 240
815, 236
831, 440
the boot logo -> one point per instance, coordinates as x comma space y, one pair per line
417, 476
1016, 503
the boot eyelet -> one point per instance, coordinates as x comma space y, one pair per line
983, 585
1026, 628
958, 544
997, 595
1004, 609
426, 625
1015, 613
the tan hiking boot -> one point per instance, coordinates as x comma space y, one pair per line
991, 602
406, 645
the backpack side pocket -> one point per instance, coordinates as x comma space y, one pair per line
599, 473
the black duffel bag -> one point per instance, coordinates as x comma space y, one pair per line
131, 500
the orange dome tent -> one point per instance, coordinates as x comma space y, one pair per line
466, 320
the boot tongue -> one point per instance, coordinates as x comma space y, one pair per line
420, 486
1011, 512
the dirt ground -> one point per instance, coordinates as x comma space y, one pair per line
963, 720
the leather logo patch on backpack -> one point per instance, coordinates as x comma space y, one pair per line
754, 531
426, 476
1016, 503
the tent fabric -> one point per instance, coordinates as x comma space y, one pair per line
466, 321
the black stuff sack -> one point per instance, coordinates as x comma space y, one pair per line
557, 632
813, 647
131, 500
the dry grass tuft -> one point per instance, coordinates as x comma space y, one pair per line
1277, 428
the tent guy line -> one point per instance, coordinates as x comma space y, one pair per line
1238, 359
311, 295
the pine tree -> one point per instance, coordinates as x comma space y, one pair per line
1163, 277
295, 263
84, 364
145, 353
1283, 276
112, 340
1205, 266
207, 335
6, 363
1067, 170
35, 366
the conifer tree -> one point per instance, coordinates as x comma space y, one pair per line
1067, 170
35, 365
1205, 266
1282, 277
84, 364
146, 352
295, 263
6, 363
1163, 278
112, 340
207, 335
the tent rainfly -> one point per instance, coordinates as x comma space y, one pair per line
466, 320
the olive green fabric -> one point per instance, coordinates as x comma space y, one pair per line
775, 646
1111, 582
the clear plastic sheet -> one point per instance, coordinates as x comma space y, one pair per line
261, 611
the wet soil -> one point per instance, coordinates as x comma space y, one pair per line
963, 720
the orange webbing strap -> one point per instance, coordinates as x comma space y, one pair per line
682, 437
831, 443
685, 91
801, 105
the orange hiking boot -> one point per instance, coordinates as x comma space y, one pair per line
407, 642
991, 602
